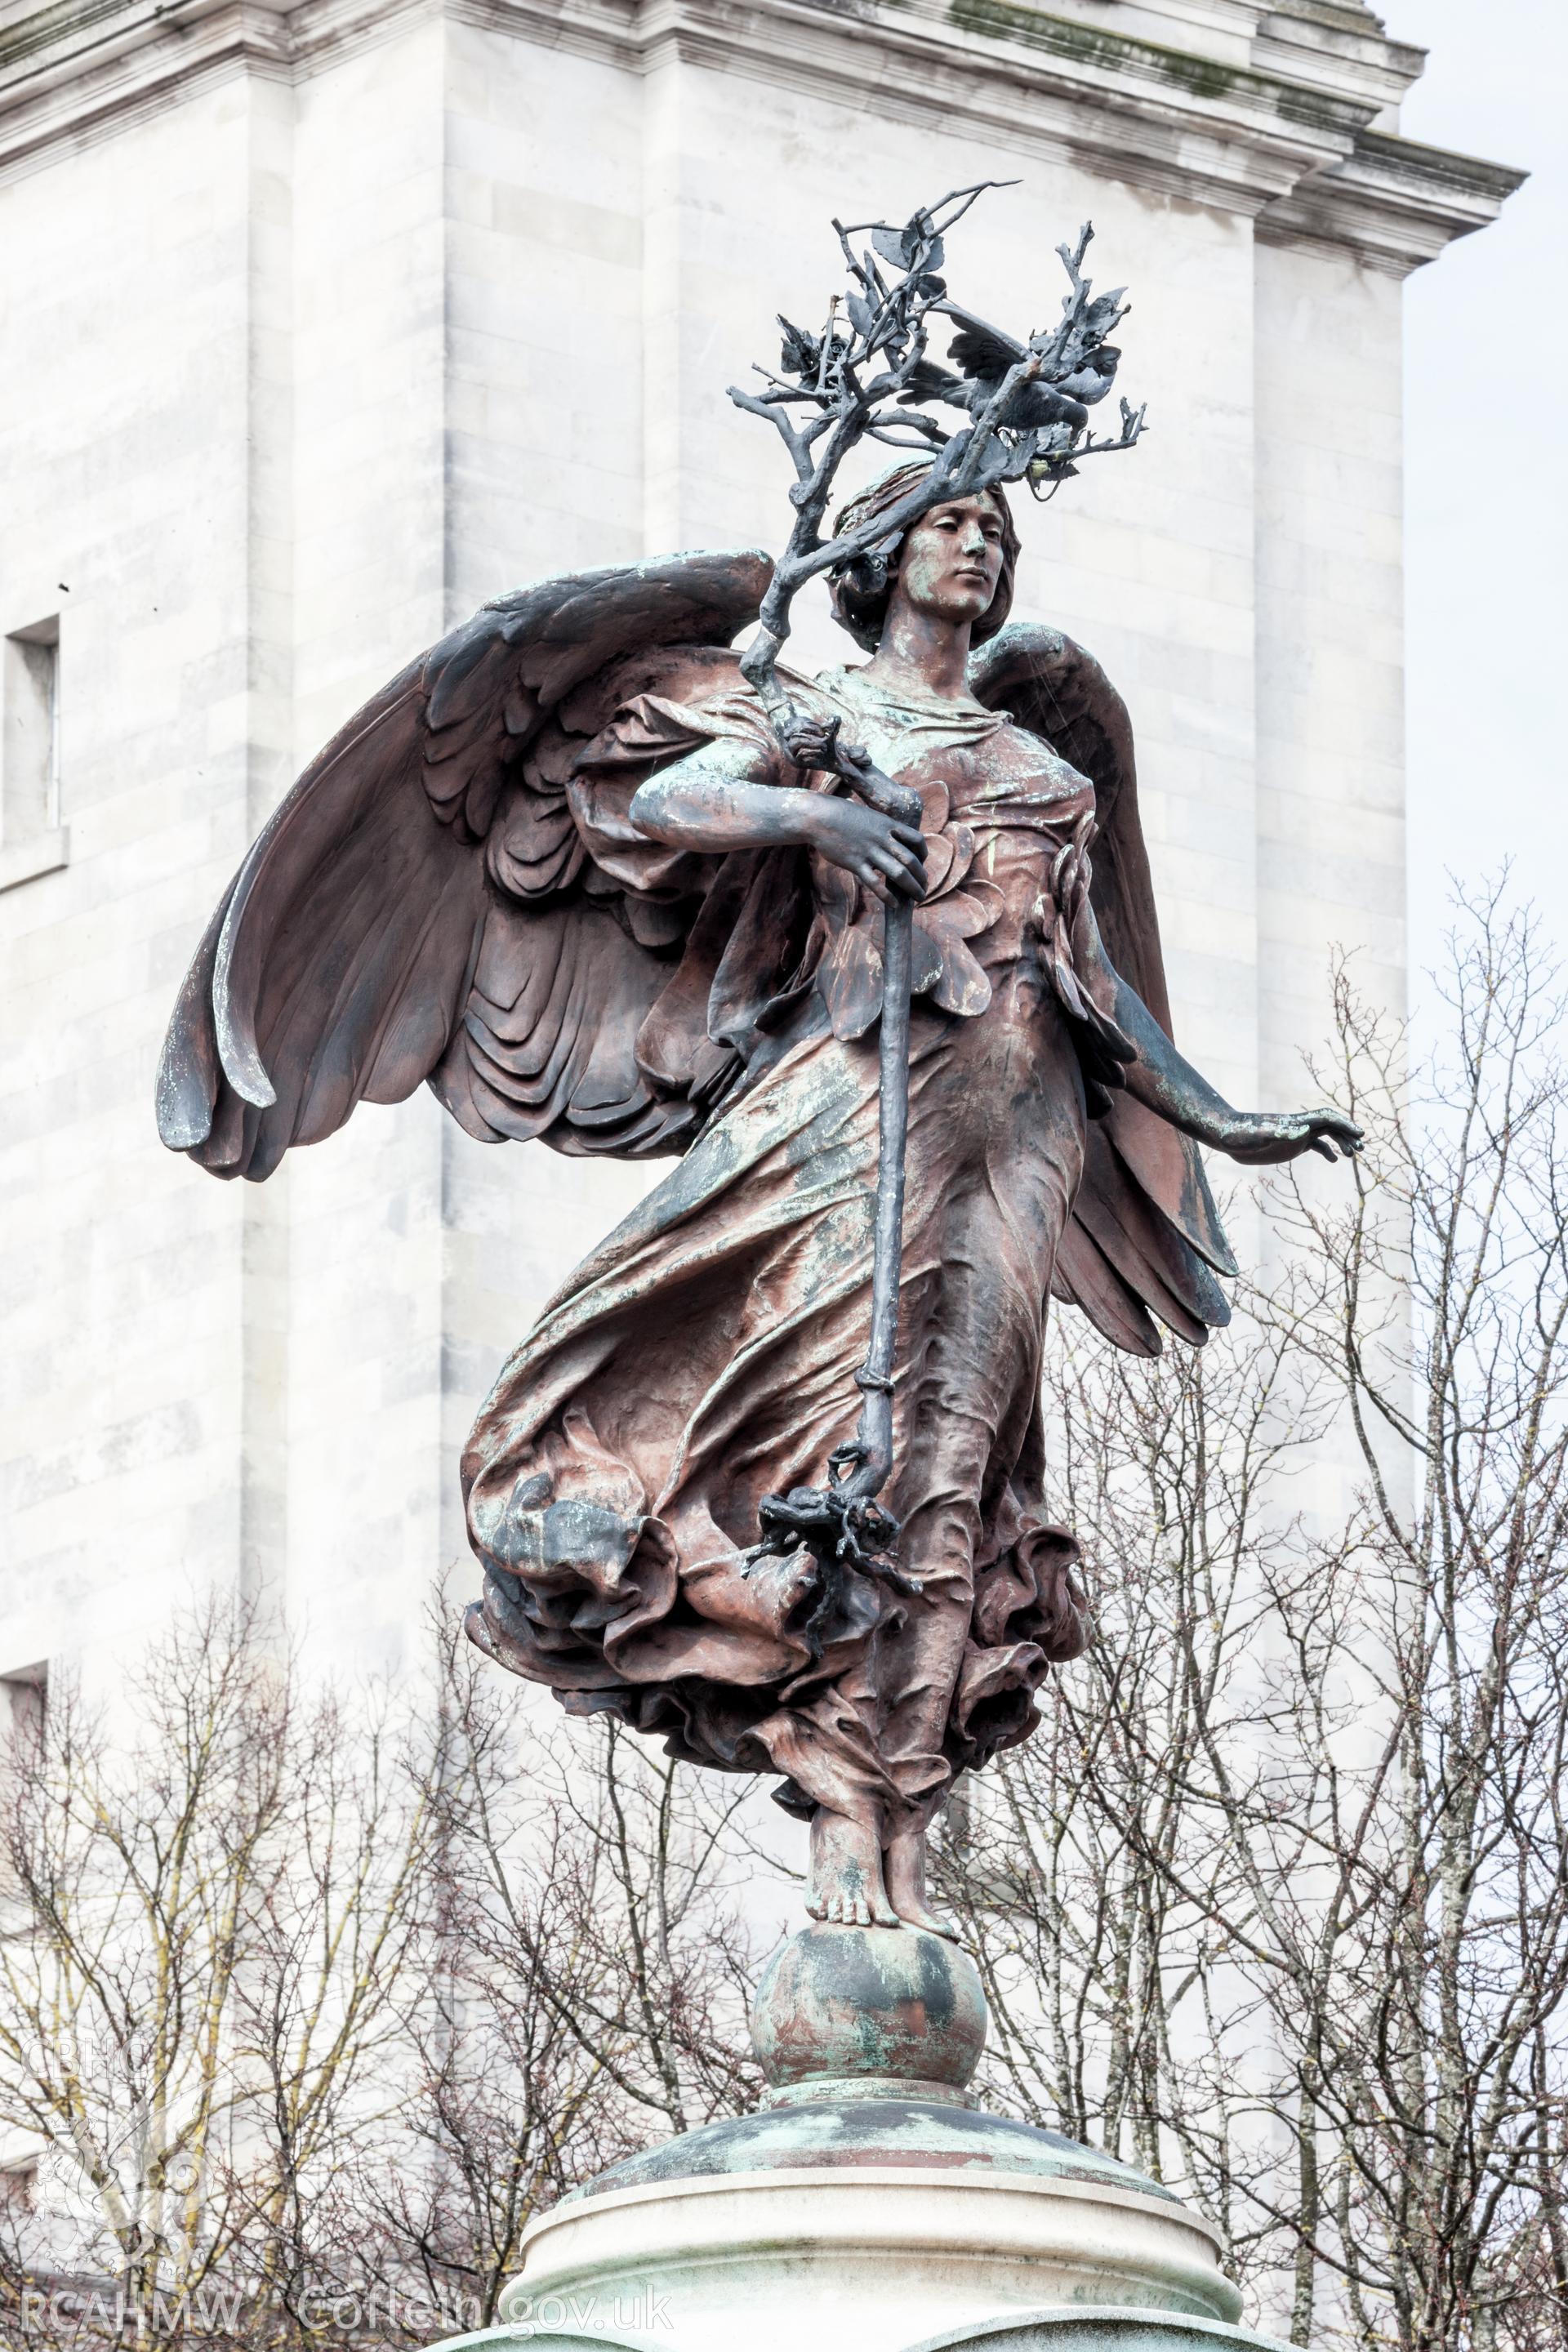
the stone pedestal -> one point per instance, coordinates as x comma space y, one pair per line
869, 2205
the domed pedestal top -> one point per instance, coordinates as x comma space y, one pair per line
869, 2207
879, 2133
868, 2038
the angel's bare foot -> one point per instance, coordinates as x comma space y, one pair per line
846, 1873
907, 1885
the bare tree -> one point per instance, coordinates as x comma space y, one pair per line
1279, 1903
1446, 1847
213, 1900
586, 1987
1093, 1878
311, 2003
130, 1891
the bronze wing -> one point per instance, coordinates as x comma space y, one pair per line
1144, 1232
423, 905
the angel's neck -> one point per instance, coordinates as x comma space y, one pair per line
922, 653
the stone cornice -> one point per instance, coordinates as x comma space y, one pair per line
1391, 204
1014, 75
1336, 47
1209, 117
105, 63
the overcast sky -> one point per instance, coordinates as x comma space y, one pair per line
1486, 487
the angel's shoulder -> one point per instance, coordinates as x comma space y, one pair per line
1023, 747
664, 704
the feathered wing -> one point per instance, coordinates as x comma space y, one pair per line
1145, 1232
423, 904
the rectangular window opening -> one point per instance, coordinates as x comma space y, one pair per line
19, 2188
23, 1710
24, 1695
30, 734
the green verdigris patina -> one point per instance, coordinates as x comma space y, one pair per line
856, 2010
884, 2130
868, 2038
871, 2203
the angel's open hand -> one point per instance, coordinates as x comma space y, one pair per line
878, 850
1263, 1138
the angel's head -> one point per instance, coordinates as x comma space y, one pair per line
959, 559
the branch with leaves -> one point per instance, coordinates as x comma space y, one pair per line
864, 377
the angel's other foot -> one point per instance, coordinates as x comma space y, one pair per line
847, 1889
907, 1885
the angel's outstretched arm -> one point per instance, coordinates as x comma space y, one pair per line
720, 799
1165, 1082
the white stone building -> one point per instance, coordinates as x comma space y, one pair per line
324, 322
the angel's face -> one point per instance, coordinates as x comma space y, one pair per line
952, 561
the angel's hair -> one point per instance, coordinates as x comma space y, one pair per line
860, 591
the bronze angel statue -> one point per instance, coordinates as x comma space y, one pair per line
602, 882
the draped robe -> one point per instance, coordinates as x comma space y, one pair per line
704, 1355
